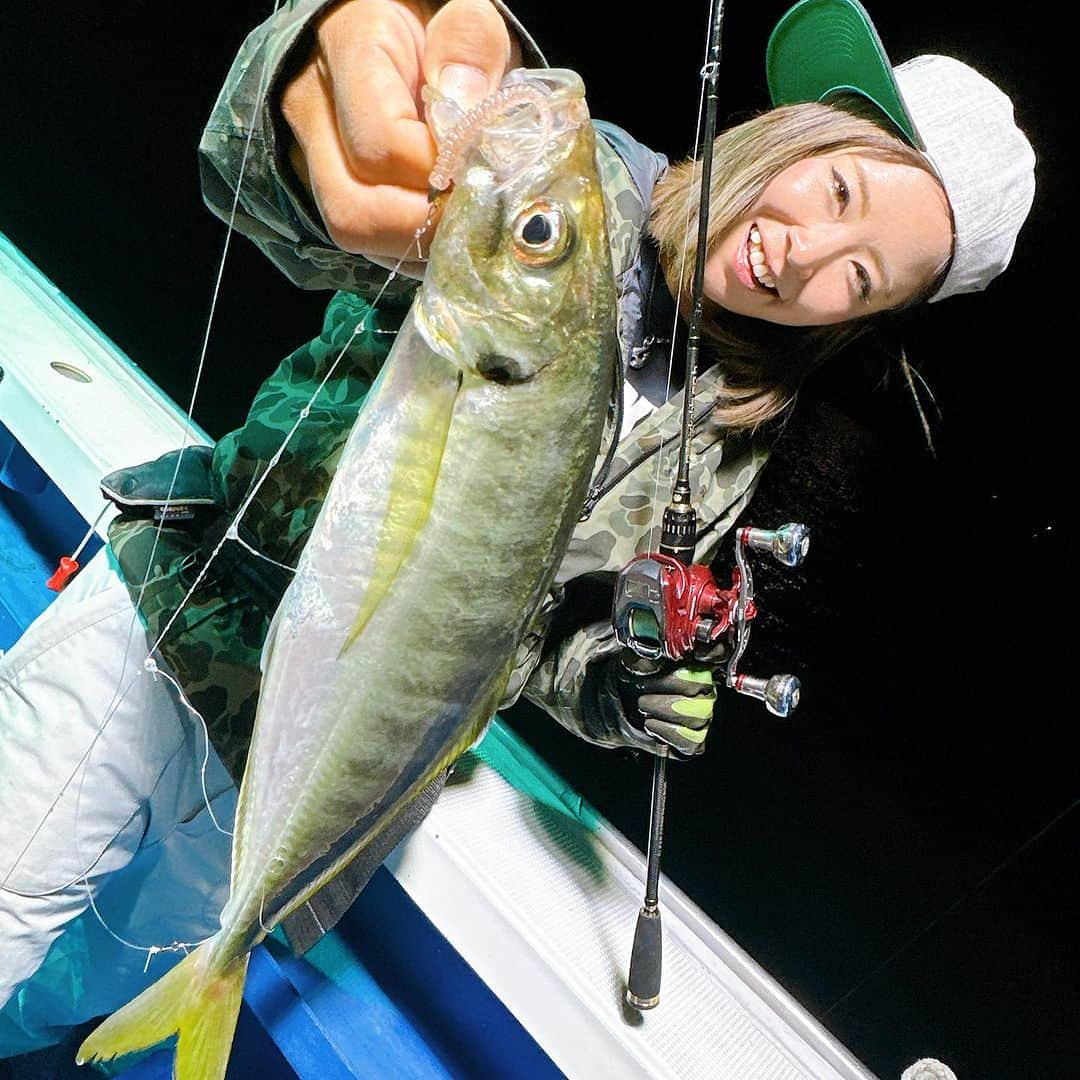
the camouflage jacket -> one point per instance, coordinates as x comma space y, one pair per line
233, 606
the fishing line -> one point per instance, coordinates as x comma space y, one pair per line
958, 903
230, 533
654, 531
201, 363
60, 794
150, 950
118, 695
149, 665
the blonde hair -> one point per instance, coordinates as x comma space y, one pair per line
764, 363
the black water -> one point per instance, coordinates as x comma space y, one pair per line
901, 856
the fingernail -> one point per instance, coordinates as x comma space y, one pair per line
465, 84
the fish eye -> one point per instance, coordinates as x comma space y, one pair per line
537, 230
541, 234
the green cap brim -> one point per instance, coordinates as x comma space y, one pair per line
825, 47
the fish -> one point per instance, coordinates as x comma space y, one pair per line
450, 510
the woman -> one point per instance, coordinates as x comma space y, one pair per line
911, 186
806, 250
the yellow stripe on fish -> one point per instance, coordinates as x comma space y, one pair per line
412, 490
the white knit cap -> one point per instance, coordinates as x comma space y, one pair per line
957, 117
984, 161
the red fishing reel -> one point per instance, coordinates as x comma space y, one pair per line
664, 609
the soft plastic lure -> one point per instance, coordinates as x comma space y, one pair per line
458, 131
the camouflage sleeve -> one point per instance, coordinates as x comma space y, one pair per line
570, 684
567, 673
244, 147
553, 672
243, 162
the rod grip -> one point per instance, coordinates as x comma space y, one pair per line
643, 985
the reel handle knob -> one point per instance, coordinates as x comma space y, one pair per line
788, 545
780, 693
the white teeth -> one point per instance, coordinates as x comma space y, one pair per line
757, 260
764, 276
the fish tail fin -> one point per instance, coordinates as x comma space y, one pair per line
197, 1004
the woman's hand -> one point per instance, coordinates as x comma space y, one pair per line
674, 705
646, 706
361, 146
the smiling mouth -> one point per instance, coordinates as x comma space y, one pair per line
759, 270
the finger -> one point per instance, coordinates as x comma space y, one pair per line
467, 52
686, 682
693, 712
360, 217
685, 740
371, 64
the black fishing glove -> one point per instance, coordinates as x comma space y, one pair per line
657, 702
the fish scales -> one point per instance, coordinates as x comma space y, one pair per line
468, 604
451, 507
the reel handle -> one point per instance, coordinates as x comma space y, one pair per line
780, 693
788, 545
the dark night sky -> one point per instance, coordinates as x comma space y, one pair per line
870, 854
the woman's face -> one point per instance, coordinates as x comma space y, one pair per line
832, 238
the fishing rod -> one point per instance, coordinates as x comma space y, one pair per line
667, 608
678, 538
